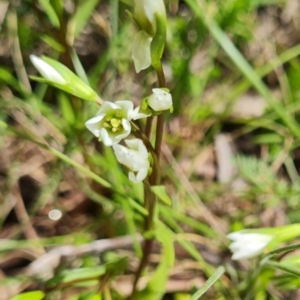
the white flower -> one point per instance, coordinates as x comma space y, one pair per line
144, 13
160, 100
247, 244
141, 53
135, 158
46, 70
112, 122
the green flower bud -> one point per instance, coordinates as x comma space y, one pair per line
148, 44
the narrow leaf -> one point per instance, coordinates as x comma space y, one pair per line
160, 192
35, 295
50, 12
284, 249
283, 267
219, 272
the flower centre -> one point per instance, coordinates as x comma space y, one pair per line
113, 123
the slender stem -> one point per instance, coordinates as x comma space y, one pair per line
160, 76
150, 201
154, 179
146, 252
160, 119
148, 127
159, 134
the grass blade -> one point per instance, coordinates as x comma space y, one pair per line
237, 58
219, 272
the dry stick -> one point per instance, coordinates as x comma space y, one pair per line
24, 220
47, 263
44, 267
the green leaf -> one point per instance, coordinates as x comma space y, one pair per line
160, 192
219, 272
66, 109
75, 85
156, 286
283, 267
81, 274
268, 138
78, 67
116, 265
52, 43
81, 16
50, 12
2, 124
7, 77
284, 249
35, 295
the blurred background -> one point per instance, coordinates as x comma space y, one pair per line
230, 156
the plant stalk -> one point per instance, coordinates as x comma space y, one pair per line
154, 179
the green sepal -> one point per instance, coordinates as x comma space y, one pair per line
144, 105
147, 110
158, 42
144, 108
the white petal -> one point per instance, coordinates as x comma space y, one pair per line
132, 177
145, 10
247, 244
126, 126
160, 100
141, 52
137, 115
46, 70
138, 145
93, 124
151, 7
242, 254
135, 158
235, 235
142, 174
107, 140
127, 107
108, 106
125, 156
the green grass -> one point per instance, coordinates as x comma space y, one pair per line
213, 57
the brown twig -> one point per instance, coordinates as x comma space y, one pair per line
25, 221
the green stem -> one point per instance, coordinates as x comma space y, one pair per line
148, 127
154, 179
160, 119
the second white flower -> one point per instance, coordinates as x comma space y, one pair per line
135, 158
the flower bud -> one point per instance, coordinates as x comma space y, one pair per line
56, 74
148, 44
46, 70
248, 244
160, 100
145, 11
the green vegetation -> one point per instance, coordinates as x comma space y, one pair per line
75, 226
